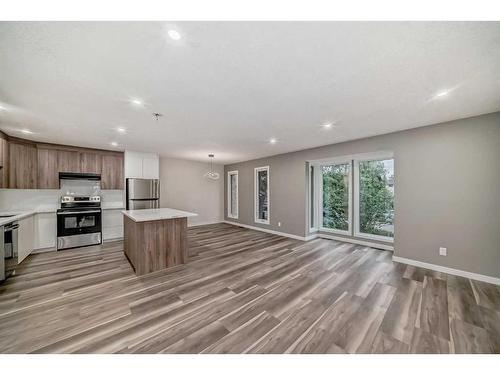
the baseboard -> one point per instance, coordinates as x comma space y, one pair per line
313, 236
204, 223
283, 234
451, 271
357, 242
43, 250
114, 239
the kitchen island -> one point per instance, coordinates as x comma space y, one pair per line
155, 239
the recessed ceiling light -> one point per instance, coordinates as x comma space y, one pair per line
442, 94
327, 125
273, 141
174, 34
26, 131
137, 102
114, 144
121, 130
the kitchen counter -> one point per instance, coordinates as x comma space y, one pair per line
17, 215
155, 239
46, 209
157, 214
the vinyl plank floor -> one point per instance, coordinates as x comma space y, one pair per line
244, 291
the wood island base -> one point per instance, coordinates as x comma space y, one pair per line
155, 245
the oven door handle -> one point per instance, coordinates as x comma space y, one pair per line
78, 212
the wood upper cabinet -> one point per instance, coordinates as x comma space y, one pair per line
32, 165
48, 172
23, 160
68, 161
4, 163
90, 162
112, 172
52, 161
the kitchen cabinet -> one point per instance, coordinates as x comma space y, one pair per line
112, 224
26, 235
4, 163
90, 162
45, 230
142, 165
112, 172
23, 160
32, 165
68, 161
151, 167
48, 171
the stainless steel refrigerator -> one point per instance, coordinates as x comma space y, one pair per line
142, 193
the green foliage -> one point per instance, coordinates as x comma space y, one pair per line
376, 199
335, 196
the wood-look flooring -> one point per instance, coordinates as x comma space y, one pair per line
244, 292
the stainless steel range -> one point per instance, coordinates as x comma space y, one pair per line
79, 221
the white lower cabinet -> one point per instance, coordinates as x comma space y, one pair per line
45, 230
112, 224
39, 231
26, 237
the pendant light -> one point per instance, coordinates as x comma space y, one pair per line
212, 175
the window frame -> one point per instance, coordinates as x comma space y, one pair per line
256, 198
319, 193
312, 199
369, 157
229, 195
354, 216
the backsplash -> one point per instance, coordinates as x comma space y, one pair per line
48, 199
80, 187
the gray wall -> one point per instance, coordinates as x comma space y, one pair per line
182, 186
447, 191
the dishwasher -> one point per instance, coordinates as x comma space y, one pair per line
8, 249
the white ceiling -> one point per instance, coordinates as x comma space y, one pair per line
228, 87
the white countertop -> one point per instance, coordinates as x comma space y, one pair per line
157, 214
18, 215
47, 209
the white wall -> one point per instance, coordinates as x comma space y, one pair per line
182, 186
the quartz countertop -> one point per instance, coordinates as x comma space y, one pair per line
156, 214
16, 215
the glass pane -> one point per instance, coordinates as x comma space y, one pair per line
263, 199
376, 197
336, 196
86, 221
234, 194
311, 204
70, 222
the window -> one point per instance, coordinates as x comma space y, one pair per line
336, 197
232, 194
312, 199
261, 191
375, 199
353, 195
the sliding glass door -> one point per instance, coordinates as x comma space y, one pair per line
374, 181
336, 198
355, 196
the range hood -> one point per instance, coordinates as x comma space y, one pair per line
79, 176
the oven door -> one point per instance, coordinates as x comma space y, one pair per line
77, 228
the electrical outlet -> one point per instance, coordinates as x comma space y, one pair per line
442, 251
279, 223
